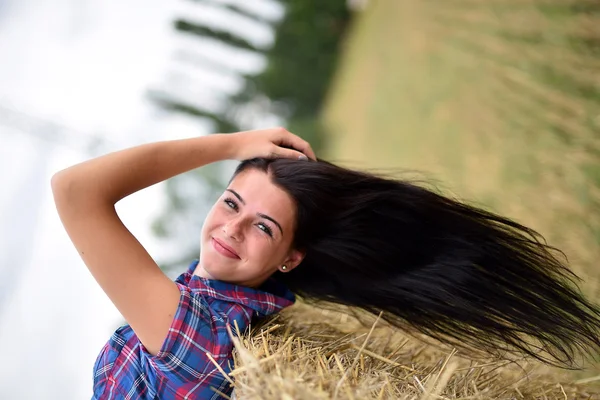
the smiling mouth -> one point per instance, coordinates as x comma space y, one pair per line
223, 249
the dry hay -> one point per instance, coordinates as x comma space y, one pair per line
309, 353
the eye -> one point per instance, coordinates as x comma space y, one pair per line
265, 229
231, 203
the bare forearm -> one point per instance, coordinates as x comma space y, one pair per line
109, 178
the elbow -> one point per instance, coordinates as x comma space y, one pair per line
71, 192
65, 189
54, 181
59, 186
58, 183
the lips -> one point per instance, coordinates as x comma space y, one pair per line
224, 249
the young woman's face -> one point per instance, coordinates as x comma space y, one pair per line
248, 233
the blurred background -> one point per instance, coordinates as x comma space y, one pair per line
498, 100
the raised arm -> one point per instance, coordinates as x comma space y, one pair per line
85, 195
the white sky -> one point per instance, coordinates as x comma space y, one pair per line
86, 65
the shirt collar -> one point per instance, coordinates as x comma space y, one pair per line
271, 297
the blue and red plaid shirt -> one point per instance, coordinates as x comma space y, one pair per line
181, 370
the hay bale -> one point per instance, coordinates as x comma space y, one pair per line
307, 353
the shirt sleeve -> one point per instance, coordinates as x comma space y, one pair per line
194, 332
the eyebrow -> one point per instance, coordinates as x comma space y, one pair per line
236, 194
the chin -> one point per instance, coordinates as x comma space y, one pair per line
205, 273
216, 268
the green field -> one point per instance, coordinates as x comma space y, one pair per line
498, 100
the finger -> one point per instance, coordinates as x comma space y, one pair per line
305, 148
309, 152
296, 142
281, 152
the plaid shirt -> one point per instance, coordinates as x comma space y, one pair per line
181, 370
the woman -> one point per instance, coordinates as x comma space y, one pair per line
288, 225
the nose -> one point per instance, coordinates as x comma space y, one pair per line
233, 229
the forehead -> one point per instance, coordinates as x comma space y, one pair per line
261, 195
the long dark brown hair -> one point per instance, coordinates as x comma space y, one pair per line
433, 265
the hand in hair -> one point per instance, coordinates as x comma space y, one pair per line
271, 143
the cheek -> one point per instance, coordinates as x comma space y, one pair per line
261, 252
212, 221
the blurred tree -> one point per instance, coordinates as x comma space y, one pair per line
221, 121
303, 57
228, 38
301, 63
237, 10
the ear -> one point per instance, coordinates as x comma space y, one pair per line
293, 260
